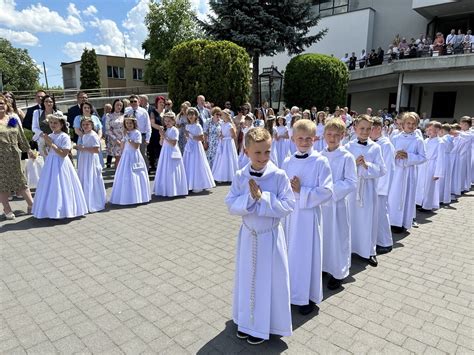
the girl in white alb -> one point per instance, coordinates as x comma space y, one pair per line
89, 168
226, 160
198, 172
170, 179
281, 140
58, 193
131, 185
319, 143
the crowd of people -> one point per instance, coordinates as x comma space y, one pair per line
456, 42
312, 187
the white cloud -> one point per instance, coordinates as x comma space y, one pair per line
38, 18
72, 10
19, 37
135, 24
201, 7
90, 10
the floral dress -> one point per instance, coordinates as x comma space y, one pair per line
114, 133
182, 121
213, 132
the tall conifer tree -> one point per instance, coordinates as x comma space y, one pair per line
90, 72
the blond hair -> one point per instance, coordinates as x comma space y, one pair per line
336, 124
363, 117
446, 127
412, 115
377, 121
305, 125
170, 115
215, 110
257, 135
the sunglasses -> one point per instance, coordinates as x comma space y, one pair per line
133, 101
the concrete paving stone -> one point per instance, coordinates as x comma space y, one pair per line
133, 346
70, 344
8, 344
43, 348
58, 332
98, 342
84, 328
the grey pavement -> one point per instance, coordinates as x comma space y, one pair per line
158, 278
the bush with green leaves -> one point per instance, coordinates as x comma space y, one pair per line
315, 80
219, 70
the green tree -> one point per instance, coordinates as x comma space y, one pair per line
217, 69
90, 72
263, 28
315, 80
18, 70
169, 23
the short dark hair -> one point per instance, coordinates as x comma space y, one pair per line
133, 96
79, 93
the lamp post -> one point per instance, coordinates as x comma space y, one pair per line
272, 78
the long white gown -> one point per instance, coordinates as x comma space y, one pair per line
320, 144
226, 159
335, 214
445, 181
89, 171
427, 189
198, 172
363, 202
466, 152
59, 193
303, 227
401, 197
131, 185
456, 169
243, 158
261, 303
170, 178
384, 233
282, 145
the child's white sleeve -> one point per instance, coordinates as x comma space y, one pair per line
314, 196
348, 183
419, 157
376, 168
239, 200
280, 205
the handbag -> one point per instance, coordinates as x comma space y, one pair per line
33, 170
175, 155
138, 166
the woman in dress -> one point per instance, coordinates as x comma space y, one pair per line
114, 130
131, 185
181, 122
319, 142
89, 169
40, 122
87, 110
59, 193
156, 122
280, 140
226, 160
12, 139
212, 133
170, 179
12, 101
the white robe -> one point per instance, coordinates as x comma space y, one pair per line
89, 171
335, 214
226, 159
466, 178
384, 233
445, 181
282, 145
363, 202
320, 144
427, 189
456, 177
243, 158
401, 197
303, 227
261, 304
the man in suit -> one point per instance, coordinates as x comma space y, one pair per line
75, 110
28, 120
204, 113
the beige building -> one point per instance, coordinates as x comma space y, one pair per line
115, 72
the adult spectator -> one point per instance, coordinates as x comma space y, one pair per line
294, 110
204, 113
345, 59
143, 124
314, 113
103, 119
380, 54
458, 42
156, 122
144, 102
27, 121
168, 105
451, 38
352, 61
403, 45
438, 43
468, 42
362, 59
228, 106
368, 111
12, 139
348, 116
40, 124
372, 60
75, 110
424, 120
12, 101
114, 131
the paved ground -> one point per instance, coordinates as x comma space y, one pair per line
158, 278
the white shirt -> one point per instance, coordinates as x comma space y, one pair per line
143, 121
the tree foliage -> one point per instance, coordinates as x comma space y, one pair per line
315, 80
90, 72
169, 23
263, 28
19, 71
219, 70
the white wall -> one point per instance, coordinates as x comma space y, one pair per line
464, 97
376, 99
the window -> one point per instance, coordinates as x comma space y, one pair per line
331, 7
443, 104
115, 72
137, 74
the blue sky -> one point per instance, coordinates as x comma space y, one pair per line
56, 31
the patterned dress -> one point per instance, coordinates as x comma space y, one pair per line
213, 131
114, 133
12, 141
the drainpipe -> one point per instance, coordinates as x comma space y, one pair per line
399, 91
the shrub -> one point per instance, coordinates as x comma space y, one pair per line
219, 70
315, 80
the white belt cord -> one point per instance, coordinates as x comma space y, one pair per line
404, 183
253, 281
360, 191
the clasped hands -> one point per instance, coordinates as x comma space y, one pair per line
401, 154
360, 161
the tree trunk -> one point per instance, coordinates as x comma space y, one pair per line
255, 87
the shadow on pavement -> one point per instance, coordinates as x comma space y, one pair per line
31, 223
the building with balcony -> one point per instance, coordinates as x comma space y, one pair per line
440, 86
115, 72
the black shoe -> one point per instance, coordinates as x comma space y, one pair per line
254, 340
372, 260
307, 309
396, 229
334, 284
383, 250
242, 335
424, 210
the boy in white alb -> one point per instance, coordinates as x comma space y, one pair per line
429, 173
466, 178
384, 234
445, 181
363, 202
262, 195
335, 212
311, 181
